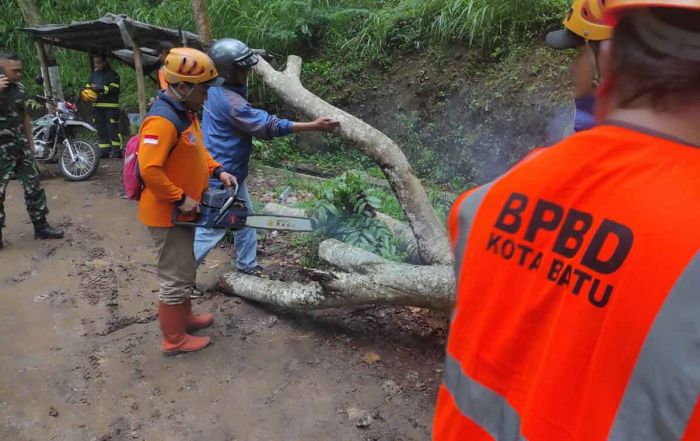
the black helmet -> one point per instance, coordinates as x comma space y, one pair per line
229, 53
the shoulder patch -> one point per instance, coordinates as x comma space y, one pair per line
150, 139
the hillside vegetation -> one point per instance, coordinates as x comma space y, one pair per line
349, 28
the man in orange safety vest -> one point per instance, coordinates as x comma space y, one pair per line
578, 271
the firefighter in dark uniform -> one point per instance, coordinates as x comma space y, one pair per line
105, 82
17, 149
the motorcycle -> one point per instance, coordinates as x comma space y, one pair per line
56, 142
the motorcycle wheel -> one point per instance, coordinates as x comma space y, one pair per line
86, 163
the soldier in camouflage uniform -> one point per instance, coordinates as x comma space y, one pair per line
17, 149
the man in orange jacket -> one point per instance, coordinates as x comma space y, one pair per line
175, 167
578, 271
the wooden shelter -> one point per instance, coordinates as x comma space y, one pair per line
130, 41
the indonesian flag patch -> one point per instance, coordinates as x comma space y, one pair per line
150, 139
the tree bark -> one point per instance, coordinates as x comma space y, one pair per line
31, 12
140, 85
49, 69
429, 232
201, 16
45, 74
365, 278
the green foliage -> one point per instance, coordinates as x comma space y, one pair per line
275, 152
347, 28
334, 158
308, 242
486, 24
423, 159
440, 203
345, 210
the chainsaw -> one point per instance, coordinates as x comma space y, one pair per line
220, 209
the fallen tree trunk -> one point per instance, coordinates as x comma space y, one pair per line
430, 234
359, 277
364, 278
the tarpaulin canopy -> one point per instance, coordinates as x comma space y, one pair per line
117, 36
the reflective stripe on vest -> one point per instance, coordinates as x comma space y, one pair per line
664, 387
662, 392
480, 404
467, 211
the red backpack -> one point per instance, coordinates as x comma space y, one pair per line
133, 184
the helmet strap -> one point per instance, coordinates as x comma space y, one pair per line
182, 99
593, 57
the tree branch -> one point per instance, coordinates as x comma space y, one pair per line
369, 280
293, 67
429, 232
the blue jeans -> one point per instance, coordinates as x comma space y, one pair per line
245, 241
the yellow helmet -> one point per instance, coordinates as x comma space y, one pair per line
88, 95
187, 65
585, 21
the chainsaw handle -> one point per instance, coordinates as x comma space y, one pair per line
232, 192
234, 187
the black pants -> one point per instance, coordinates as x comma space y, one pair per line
107, 125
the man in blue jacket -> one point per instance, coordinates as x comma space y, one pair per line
230, 123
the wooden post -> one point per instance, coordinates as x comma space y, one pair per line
201, 17
138, 63
48, 90
140, 85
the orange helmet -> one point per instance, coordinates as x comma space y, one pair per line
616, 5
585, 21
187, 65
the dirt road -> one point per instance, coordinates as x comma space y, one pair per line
80, 358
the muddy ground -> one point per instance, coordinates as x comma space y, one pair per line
80, 356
